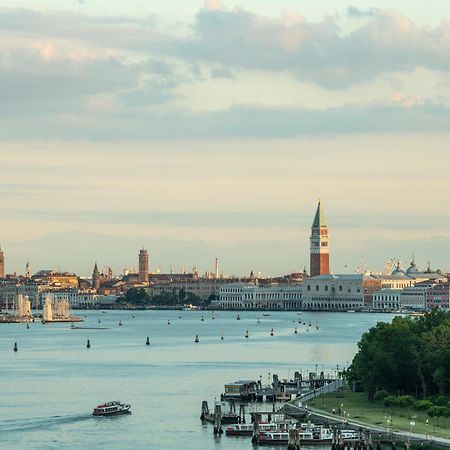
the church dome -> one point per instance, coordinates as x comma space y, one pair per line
397, 272
412, 268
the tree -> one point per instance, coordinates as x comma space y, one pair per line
405, 357
181, 295
136, 296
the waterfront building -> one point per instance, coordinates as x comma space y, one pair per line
265, 297
333, 292
387, 299
79, 299
96, 278
319, 245
143, 266
438, 296
204, 288
9, 294
415, 297
371, 284
2, 264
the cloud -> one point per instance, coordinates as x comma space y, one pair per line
353, 11
222, 72
136, 121
317, 52
72, 76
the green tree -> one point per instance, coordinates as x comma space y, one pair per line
407, 356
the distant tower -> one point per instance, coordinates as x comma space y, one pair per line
217, 268
96, 278
320, 251
2, 264
28, 270
143, 266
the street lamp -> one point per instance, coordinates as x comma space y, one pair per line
412, 423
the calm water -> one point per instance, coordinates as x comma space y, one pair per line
50, 386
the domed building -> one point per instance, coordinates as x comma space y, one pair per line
398, 272
412, 269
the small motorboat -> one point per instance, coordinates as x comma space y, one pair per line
112, 409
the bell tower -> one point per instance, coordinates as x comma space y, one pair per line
143, 266
2, 264
96, 278
319, 247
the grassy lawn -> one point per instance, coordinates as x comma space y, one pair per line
356, 405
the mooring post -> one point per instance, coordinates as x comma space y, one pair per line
242, 413
294, 440
217, 420
205, 410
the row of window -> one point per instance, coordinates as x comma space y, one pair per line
333, 289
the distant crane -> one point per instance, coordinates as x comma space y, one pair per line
361, 267
390, 265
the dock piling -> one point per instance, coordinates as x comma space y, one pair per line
217, 420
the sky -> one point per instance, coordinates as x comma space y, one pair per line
204, 129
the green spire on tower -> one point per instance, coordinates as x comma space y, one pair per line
319, 218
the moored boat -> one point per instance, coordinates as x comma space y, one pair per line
113, 408
317, 435
239, 429
243, 429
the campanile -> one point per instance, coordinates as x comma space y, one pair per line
319, 249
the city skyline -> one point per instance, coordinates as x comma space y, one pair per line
155, 125
316, 266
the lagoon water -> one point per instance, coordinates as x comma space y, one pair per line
50, 386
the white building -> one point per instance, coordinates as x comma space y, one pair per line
387, 299
251, 296
333, 292
79, 299
9, 294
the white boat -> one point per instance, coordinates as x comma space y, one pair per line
246, 429
349, 435
113, 408
239, 429
316, 435
190, 308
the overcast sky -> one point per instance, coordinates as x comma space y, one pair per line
210, 129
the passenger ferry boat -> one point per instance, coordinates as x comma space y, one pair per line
242, 429
313, 436
112, 409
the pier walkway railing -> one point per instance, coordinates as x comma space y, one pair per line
325, 389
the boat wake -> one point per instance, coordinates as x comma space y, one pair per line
13, 425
